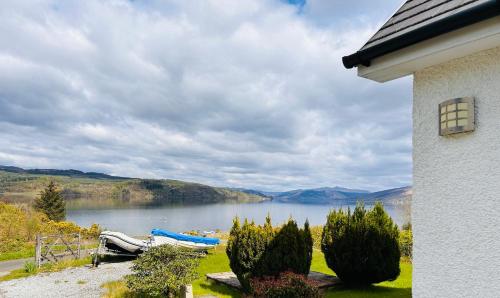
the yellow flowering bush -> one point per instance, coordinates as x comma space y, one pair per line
19, 225
406, 243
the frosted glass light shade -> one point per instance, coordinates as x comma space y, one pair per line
456, 116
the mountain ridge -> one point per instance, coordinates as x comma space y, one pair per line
56, 172
131, 191
97, 190
330, 195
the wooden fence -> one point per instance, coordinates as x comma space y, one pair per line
53, 248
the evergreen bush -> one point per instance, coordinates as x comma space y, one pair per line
362, 247
289, 250
260, 251
246, 247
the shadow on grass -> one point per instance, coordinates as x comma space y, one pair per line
370, 291
218, 289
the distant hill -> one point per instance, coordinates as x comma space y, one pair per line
328, 195
323, 195
254, 192
391, 196
52, 172
97, 190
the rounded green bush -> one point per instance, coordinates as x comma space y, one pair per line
362, 247
163, 271
259, 251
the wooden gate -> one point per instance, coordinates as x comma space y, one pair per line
53, 248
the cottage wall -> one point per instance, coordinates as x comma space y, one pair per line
456, 200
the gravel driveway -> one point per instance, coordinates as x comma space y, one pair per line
73, 282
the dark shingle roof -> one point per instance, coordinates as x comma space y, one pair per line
417, 13
418, 20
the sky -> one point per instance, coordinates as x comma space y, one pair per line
247, 93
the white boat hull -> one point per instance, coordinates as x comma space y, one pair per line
124, 242
116, 241
162, 240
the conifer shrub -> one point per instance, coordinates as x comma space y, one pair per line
362, 247
261, 251
289, 250
51, 203
246, 247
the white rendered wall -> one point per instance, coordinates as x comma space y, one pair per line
456, 198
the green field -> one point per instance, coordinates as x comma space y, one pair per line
217, 261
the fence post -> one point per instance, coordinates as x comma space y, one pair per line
187, 291
79, 245
38, 250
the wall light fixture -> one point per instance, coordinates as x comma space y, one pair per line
456, 116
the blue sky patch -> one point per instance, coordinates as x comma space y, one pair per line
299, 3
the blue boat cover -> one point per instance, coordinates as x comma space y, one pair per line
182, 237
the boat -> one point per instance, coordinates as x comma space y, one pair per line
120, 243
162, 237
117, 243
162, 240
185, 237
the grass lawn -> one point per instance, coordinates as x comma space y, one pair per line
29, 251
22, 253
217, 261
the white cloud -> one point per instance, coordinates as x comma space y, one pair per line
237, 93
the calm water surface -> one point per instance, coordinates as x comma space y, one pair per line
140, 221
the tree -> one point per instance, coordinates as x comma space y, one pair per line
362, 247
51, 203
163, 271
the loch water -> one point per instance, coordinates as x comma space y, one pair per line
140, 221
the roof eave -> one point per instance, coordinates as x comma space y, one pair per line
467, 17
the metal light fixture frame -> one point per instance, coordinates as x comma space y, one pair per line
470, 122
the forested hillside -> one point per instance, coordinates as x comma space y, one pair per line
83, 192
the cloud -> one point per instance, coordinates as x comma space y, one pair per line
246, 93
351, 14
